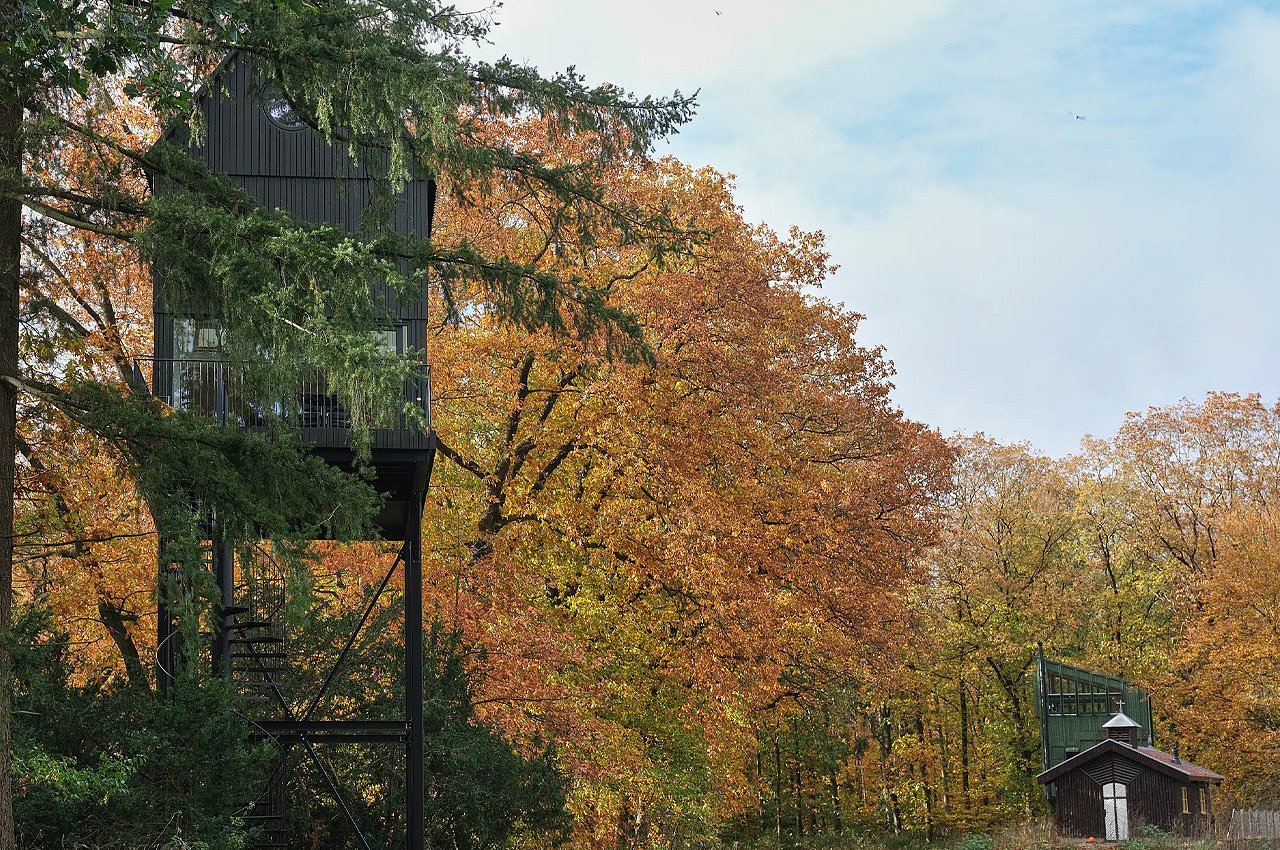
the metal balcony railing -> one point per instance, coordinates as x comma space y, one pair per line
220, 390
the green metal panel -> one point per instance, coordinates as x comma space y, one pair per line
1073, 703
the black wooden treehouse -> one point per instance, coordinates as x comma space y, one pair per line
254, 140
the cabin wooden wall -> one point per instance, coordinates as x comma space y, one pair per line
1154, 798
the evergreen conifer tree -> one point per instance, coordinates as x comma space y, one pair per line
388, 79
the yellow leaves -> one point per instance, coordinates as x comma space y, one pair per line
1149, 555
744, 500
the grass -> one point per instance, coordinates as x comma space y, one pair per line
1028, 835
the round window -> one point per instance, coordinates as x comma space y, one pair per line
280, 110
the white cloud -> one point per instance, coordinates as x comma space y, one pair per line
1031, 274
685, 44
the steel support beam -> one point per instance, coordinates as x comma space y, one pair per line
224, 571
387, 738
415, 787
167, 636
274, 727
351, 639
332, 731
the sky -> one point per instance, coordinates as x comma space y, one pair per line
1032, 274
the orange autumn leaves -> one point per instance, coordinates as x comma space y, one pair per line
1208, 476
644, 548
640, 548
86, 548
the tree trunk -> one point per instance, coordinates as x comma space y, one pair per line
760, 796
777, 788
895, 813
113, 617
944, 768
964, 743
833, 784
799, 792
624, 825
862, 782
10, 270
943, 765
884, 736
924, 781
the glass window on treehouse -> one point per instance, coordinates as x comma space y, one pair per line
197, 339
199, 379
393, 340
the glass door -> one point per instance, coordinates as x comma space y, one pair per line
1115, 808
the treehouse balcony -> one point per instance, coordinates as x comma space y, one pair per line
401, 444
220, 389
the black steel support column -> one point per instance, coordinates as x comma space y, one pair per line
167, 636
415, 786
164, 619
166, 633
224, 571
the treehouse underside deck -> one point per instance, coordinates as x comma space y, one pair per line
382, 440
400, 452
401, 474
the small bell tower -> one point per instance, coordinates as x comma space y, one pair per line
1122, 728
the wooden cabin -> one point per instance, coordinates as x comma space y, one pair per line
1118, 786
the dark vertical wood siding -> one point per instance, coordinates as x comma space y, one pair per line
1154, 799
1078, 805
242, 139
296, 171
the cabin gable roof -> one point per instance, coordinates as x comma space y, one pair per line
1157, 760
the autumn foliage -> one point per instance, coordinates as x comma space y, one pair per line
715, 574
1146, 555
645, 548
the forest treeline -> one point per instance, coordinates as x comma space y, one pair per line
728, 589
714, 586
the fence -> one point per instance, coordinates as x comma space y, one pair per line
1252, 824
